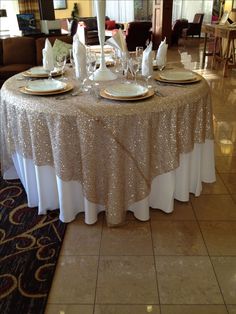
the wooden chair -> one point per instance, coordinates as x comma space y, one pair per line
224, 48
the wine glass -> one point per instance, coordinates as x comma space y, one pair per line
125, 66
117, 60
147, 77
61, 62
136, 68
139, 53
91, 65
72, 61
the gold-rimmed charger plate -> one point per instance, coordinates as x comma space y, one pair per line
41, 75
150, 93
195, 80
69, 86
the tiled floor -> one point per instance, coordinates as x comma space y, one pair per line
180, 263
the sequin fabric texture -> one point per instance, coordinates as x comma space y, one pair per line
113, 148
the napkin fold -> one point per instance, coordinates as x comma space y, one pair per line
79, 55
118, 42
48, 60
147, 67
161, 53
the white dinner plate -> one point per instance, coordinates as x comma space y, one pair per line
177, 75
47, 85
41, 71
126, 90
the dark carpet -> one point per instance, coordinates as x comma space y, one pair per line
29, 249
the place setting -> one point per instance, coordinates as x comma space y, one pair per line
45, 87
177, 77
40, 72
126, 92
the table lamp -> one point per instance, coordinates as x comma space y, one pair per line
102, 73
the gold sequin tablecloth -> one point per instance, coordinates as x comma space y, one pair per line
113, 148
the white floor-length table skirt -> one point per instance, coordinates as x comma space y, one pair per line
47, 191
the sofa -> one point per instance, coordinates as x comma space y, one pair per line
17, 54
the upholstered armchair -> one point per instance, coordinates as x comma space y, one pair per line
138, 33
177, 29
194, 28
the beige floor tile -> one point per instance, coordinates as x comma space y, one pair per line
69, 309
214, 207
231, 309
126, 309
78, 237
226, 164
217, 187
134, 238
187, 280
75, 280
225, 268
177, 238
193, 309
229, 180
126, 280
182, 211
220, 237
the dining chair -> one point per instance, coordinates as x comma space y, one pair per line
194, 28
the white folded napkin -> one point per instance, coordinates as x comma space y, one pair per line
117, 41
48, 60
147, 67
79, 55
161, 53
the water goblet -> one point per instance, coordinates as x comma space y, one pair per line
147, 78
72, 61
139, 53
136, 68
160, 66
61, 62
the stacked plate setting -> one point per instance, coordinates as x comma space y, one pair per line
124, 91
40, 72
46, 87
178, 76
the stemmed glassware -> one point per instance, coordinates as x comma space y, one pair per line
136, 67
117, 60
61, 62
139, 53
91, 64
72, 61
147, 78
125, 65
49, 69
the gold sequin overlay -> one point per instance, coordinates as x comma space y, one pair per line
114, 149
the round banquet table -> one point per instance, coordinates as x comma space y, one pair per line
87, 154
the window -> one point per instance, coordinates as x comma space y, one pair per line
188, 8
120, 10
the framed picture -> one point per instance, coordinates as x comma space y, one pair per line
234, 5
60, 4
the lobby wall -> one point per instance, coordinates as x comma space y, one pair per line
228, 7
85, 9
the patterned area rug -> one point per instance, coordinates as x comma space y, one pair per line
29, 249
